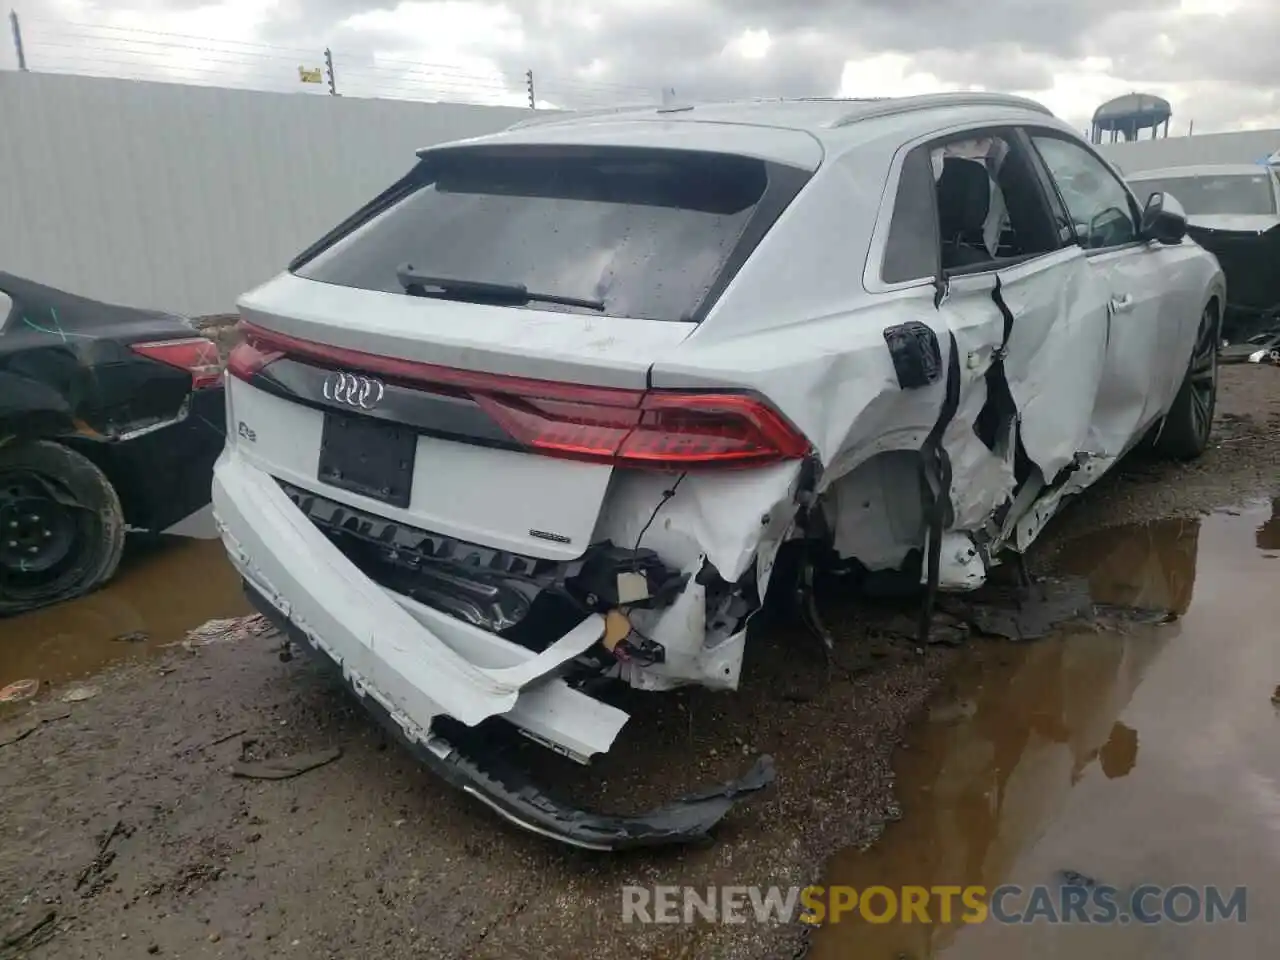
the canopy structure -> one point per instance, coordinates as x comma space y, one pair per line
1126, 117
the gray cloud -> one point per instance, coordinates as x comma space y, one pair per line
1002, 66
1056, 27
611, 51
1213, 101
1241, 47
645, 47
998, 44
681, 47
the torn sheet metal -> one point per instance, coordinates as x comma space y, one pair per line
962, 566
981, 457
1043, 382
681, 629
727, 528
467, 762
378, 643
874, 511
1056, 355
689, 819
850, 404
842, 390
549, 711
726, 517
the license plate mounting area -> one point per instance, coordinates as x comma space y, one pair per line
368, 457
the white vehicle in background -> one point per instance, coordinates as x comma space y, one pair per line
1234, 194
1233, 211
546, 409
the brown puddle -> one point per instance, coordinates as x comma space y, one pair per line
1148, 756
161, 591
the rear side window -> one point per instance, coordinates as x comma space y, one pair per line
911, 249
965, 203
650, 234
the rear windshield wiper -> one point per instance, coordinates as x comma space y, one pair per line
455, 288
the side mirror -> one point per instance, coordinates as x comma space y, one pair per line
1163, 219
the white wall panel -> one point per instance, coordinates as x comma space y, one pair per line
1246, 146
183, 197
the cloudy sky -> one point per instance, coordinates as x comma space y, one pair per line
1215, 60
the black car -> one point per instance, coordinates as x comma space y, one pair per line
111, 419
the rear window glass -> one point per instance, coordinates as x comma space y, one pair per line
644, 233
1235, 193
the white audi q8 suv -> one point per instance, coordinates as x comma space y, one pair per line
546, 409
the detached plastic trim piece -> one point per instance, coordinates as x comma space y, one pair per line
514, 796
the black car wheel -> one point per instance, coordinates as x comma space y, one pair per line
1184, 434
62, 529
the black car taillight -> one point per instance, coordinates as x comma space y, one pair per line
197, 355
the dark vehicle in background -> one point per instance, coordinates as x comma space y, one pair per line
1233, 211
111, 419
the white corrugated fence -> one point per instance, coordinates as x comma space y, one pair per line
183, 197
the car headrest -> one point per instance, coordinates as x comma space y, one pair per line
964, 197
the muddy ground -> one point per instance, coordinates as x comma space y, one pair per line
121, 819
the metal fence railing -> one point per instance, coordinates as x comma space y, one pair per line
125, 52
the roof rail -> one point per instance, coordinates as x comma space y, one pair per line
682, 106
840, 99
564, 116
930, 101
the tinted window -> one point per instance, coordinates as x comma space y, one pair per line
911, 249
1100, 207
967, 203
1232, 193
646, 232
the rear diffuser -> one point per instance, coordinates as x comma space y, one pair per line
476, 770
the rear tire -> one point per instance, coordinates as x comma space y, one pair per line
1185, 430
62, 529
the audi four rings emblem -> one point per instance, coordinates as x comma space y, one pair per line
354, 390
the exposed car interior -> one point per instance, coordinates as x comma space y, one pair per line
964, 204
989, 204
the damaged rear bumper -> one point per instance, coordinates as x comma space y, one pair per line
504, 789
412, 666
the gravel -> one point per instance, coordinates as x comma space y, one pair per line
133, 789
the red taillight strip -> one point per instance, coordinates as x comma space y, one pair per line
198, 356
415, 371
653, 429
785, 439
